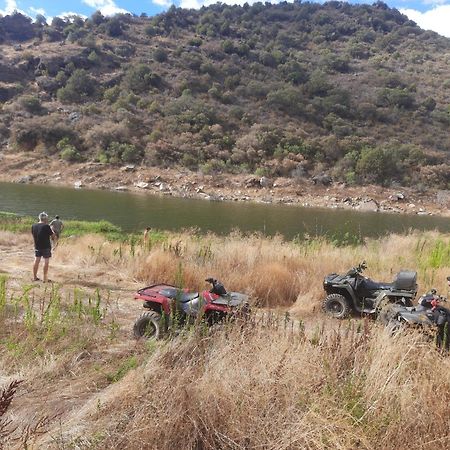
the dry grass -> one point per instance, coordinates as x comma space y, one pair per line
275, 272
311, 383
276, 389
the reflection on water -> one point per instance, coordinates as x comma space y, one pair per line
134, 212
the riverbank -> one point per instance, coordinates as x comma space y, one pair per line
179, 182
85, 382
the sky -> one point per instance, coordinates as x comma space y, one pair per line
429, 14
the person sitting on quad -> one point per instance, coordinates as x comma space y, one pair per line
217, 287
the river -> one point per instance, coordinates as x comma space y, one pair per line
134, 212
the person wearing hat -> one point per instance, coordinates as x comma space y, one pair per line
57, 226
42, 233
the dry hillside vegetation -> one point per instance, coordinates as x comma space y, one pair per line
295, 89
290, 379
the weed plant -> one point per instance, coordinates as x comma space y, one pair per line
37, 321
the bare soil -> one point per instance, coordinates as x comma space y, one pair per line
180, 182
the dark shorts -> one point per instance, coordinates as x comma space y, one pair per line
44, 252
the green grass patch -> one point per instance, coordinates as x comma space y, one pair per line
129, 364
22, 224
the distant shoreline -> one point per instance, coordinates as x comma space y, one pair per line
182, 183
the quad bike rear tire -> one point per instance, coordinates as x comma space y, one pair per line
337, 306
148, 326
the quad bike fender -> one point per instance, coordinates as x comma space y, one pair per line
414, 318
388, 296
347, 292
158, 306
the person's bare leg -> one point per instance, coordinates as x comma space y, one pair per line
46, 261
37, 260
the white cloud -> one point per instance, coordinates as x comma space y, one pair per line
165, 3
70, 15
10, 7
196, 4
436, 19
189, 4
34, 11
106, 7
434, 2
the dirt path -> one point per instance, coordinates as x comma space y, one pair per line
64, 397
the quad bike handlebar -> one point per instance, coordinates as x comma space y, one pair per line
358, 269
217, 287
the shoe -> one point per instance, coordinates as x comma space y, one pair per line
36, 279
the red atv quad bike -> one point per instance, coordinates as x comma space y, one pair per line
165, 303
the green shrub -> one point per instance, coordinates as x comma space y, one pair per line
93, 57
294, 72
114, 26
68, 152
121, 152
160, 55
151, 30
25, 139
228, 46
79, 88
112, 94
140, 79
31, 103
375, 165
287, 99
401, 98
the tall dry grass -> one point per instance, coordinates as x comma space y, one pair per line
355, 387
275, 272
312, 383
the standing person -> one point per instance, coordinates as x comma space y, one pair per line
146, 231
42, 248
57, 226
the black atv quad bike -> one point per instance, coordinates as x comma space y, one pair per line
354, 293
428, 315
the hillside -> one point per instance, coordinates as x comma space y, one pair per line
357, 92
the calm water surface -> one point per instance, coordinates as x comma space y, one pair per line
134, 212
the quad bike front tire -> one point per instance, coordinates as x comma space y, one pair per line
148, 326
337, 306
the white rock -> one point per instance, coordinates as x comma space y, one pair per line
128, 168
369, 205
141, 185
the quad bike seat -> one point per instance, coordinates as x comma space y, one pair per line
187, 297
182, 297
371, 285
